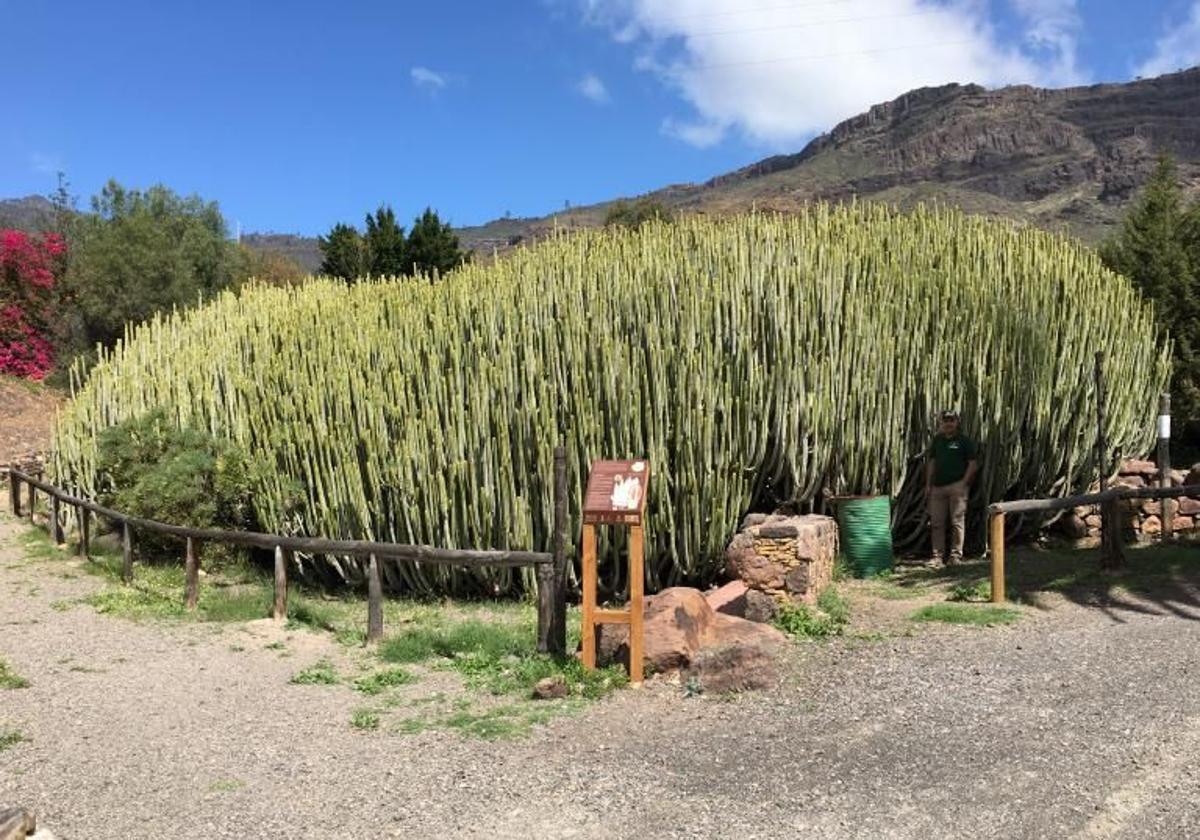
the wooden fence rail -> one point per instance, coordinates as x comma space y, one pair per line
550, 568
1109, 501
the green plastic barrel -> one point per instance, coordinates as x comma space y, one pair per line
865, 526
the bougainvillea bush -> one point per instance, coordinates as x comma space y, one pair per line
27, 294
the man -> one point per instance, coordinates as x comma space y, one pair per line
949, 469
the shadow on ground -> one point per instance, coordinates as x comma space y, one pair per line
1155, 580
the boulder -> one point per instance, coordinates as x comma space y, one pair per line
1073, 525
1152, 507
684, 634
729, 599
1189, 506
1151, 525
16, 823
1183, 523
760, 607
550, 688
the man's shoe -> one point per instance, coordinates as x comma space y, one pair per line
955, 560
935, 562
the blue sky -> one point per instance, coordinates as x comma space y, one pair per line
297, 115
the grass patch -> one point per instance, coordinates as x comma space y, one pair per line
10, 738
496, 657
10, 678
981, 616
830, 617
320, 672
380, 681
364, 719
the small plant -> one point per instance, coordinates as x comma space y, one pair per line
803, 622
364, 719
10, 738
982, 616
977, 592
320, 672
380, 681
226, 785
9, 678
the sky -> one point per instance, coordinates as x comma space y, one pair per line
297, 115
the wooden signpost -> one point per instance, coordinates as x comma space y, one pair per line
616, 495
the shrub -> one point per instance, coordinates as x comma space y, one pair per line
152, 469
828, 619
28, 265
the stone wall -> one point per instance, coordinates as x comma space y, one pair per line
786, 557
1142, 518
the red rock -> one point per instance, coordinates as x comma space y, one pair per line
1183, 523
1189, 506
729, 599
1129, 481
1151, 525
1152, 507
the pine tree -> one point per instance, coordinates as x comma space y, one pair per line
1158, 249
343, 253
432, 246
385, 245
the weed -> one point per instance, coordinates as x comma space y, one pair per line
364, 719
10, 678
977, 592
226, 786
828, 619
60, 606
320, 672
380, 681
275, 646
10, 738
984, 616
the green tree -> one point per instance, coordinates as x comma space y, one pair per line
344, 254
636, 213
138, 253
432, 246
385, 244
1158, 249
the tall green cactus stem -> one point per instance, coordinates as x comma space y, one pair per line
754, 359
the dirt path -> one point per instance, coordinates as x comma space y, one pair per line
1075, 722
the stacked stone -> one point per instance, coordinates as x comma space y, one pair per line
1143, 518
789, 558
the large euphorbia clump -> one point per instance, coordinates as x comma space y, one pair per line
754, 360
27, 294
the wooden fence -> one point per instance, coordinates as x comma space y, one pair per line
550, 568
1110, 510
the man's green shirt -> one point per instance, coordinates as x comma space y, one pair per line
950, 458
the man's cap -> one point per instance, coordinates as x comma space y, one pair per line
950, 414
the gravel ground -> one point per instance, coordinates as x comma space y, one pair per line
1075, 722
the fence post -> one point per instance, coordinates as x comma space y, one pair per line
558, 625
14, 493
56, 532
374, 601
996, 546
1164, 463
1112, 554
32, 500
191, 564
279, 611
544, 573
1101, 442
84, 528
126, 552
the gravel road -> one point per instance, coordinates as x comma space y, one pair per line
1076, 722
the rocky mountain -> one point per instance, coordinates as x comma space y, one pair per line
33, 213
1068, 159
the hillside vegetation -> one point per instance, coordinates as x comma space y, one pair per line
754, 360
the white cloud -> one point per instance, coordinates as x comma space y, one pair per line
1052, 31
428, 80
44, 164
778, 73
592, 87
1177, 49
